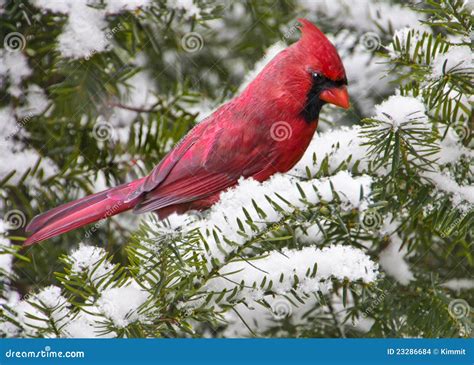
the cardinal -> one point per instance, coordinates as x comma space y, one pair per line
264, 130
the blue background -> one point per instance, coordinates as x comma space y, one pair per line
239, 351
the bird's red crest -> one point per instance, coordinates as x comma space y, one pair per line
319, 51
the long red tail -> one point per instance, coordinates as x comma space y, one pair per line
80, 212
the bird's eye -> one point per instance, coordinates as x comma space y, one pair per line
317, 76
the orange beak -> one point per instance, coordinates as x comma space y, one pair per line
337, 96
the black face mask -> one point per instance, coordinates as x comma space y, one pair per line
313, 103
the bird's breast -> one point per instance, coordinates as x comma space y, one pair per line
292, 145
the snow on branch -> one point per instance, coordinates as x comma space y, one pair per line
267, 203
85, 31
90, 261
455, 59
311, 266
337, 146
45, 312
382, 15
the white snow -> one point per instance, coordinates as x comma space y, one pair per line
10, 300
311, 235
458, 285
416, 34
83, 34
55, 6
363, 15
68, 6
86, 258
85, 31
399, 111
81, 326
336, 261
392, 261
86, 325
36, 102
13, 70
8, 127
392, 258
121, 304
367, 79
451, 150
50, 298
15, 157
117, 6
6, 259
456, 59
260, 318
189, 6
447, 184
339, 144
224, 214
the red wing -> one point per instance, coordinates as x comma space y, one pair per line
161, 171
185, 190
221, 154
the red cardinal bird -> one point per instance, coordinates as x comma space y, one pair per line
264, 130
